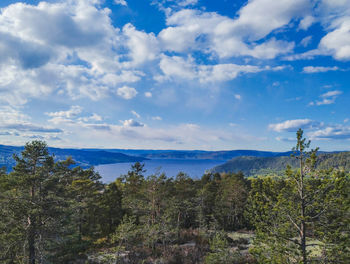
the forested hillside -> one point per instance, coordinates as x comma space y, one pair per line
82, 158
51, 212
254, 166
217, 155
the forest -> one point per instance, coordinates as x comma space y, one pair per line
56, 212
276, 165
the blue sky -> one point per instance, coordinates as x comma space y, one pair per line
166, 74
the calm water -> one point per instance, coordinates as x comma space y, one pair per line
171, 167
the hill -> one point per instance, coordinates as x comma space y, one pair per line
252, 166
83, 158
197, 154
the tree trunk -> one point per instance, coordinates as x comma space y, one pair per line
31, 229
302, 210
31, 242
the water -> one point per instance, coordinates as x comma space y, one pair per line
171, 167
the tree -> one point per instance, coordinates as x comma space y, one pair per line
182, 204
110, 211
287, 212
33, 203
43, 203
133, 194
231, 201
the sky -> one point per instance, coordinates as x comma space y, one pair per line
167, 74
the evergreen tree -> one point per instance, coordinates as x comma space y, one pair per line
33, 204
287, 212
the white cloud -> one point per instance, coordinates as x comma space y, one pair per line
121, 2
72, 48
313, 69
334, 16
224, 72
306, 22
125, 76
331, 132
210, 32
94, 117
133, 134
148, 94
270, 49
132, 123
135, 114
143, 47
72, 112
332, 93
327, 98
337, 42
158, 118
294, 125
306, 41
238, 96
254, 21
66, 47
126, 92
187, 2
179, 68
13, 120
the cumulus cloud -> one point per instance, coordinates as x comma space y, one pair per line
316, 130
338, 132
327, 98
72, 112
132, 123
181, 68
256, 24
143, 47
93, 117
69, 46
195, 30
14, 120
158, 118
126, 92
72, 47
337, 41
187, 2
334, 17
294, 125
73, 116
313, 69
121, 2
306, 22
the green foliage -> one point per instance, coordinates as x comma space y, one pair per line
57, 212
220, 252
288, 213
254, 166
127, 234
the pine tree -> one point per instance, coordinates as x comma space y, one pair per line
33, 204
288, 213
